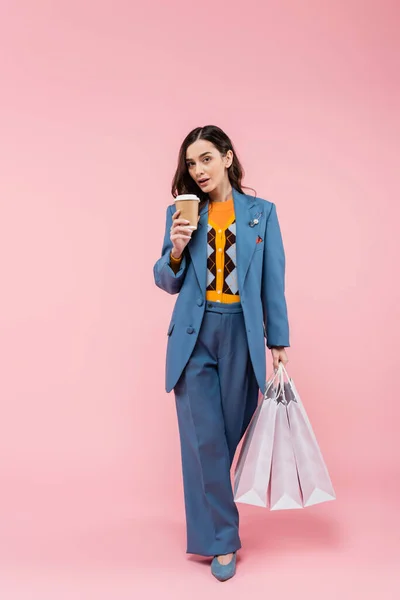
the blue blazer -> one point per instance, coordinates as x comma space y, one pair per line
261, 280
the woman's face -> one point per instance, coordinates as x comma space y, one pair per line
205, 162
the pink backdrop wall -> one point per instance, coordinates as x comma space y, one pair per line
95, 101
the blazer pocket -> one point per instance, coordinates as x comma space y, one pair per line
170, 328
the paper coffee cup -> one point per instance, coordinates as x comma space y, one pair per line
188, 204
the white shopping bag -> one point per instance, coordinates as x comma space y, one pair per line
253, 468
280, 463
315, 483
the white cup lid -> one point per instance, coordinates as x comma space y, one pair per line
187, 197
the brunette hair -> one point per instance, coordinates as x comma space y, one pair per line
183, 183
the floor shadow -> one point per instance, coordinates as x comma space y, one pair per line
261, 529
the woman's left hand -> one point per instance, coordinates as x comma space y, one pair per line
279, 355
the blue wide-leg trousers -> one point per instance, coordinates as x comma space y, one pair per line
215, 397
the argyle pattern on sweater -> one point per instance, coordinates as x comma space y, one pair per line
230, 281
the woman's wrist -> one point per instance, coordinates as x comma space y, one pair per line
174, 257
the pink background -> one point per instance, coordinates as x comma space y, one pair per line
96, 98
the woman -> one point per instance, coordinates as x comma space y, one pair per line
230, 276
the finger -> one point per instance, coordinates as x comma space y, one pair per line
176, 214
183, 226
180, 236
183, 229
182, 220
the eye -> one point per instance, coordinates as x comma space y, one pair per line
208, 158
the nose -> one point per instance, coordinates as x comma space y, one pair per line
199, 171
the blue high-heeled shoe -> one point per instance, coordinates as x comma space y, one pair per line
223, 572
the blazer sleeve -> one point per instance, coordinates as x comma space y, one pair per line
164, 276
273, 284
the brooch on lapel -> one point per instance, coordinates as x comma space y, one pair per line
259, 239
255, 221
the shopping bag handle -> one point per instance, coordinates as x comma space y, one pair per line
281, 366
278, 373
281, 370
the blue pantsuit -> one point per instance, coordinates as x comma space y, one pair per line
216, 361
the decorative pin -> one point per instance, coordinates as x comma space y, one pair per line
255, 221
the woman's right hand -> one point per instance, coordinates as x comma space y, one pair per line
180, 234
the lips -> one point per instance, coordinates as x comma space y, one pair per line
203, 181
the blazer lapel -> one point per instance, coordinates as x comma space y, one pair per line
198, 248
246, 237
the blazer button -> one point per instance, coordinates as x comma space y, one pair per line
199, 301
189, 330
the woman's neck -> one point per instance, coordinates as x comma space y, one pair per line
221, 194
